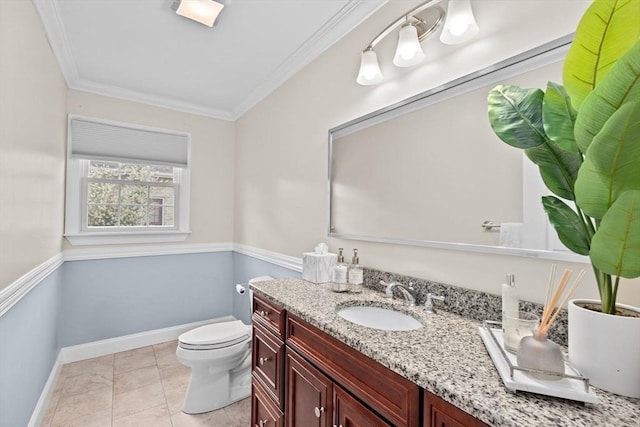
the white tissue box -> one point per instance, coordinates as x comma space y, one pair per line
316, 268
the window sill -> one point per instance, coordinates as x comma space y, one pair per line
119, 238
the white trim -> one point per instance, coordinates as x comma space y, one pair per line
109, 346
13, 293
140, 251
45, 396
124, 238
286, 261
130, 342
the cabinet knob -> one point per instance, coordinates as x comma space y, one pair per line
263, 360
263, 313
262, 423
319, 411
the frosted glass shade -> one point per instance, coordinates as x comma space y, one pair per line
202, 11
369, 73
408, 52
460, 24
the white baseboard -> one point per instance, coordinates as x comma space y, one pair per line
129, 342
102, 348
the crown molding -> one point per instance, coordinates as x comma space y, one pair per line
354, 12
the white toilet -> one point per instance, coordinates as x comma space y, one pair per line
219, 355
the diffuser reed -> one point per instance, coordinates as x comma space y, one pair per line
537, 352
551, 306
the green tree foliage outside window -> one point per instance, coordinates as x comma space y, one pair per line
130, 195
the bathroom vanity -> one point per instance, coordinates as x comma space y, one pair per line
313, 368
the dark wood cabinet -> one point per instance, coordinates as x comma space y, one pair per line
309, 394
439, 413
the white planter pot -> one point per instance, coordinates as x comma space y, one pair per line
606, 348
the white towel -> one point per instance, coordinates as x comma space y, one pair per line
511, 234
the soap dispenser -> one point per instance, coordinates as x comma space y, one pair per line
355, 274
339, 274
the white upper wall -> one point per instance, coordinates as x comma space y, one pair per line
282, 149
32, 143
212, 151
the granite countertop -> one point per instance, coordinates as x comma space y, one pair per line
446, 357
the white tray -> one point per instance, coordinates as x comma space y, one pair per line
570, 386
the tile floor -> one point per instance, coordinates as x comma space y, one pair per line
137, 388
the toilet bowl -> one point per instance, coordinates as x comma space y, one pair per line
219, 355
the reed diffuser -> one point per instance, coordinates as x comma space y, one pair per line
537, 351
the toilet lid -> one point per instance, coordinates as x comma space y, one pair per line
215, 335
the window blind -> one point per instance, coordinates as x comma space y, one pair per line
95, 140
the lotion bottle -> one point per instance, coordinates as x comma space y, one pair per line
339, 274
510, 304
355, 274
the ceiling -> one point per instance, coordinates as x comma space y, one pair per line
142, 51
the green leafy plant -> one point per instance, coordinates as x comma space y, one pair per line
585, 139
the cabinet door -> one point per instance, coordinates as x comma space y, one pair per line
264, 412
308, 394
349, 412
439, 413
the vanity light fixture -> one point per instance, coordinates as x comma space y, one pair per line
202, 11
416, 25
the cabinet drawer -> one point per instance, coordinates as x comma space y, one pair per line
440, 413
394, 397
268, 363
269, 315
263, 412
350, 412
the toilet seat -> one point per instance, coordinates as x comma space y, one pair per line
215, 336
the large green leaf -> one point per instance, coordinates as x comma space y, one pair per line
615, 248
570, 228
621, 85
606, 31
559, 117
516, 115
558, 168
612, 163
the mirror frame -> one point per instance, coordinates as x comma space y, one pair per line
532, 59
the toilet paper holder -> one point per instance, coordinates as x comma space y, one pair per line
489, 225
241, 288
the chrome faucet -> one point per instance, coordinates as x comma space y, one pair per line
428, 304
409, 298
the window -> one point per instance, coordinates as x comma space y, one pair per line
125, 184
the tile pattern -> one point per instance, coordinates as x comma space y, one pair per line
464, 302
136, 388
446, 357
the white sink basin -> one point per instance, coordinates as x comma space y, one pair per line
379, 318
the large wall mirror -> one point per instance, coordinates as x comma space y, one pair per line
429, 170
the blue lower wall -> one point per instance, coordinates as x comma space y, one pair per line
109, 298
86, 301
28, 349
